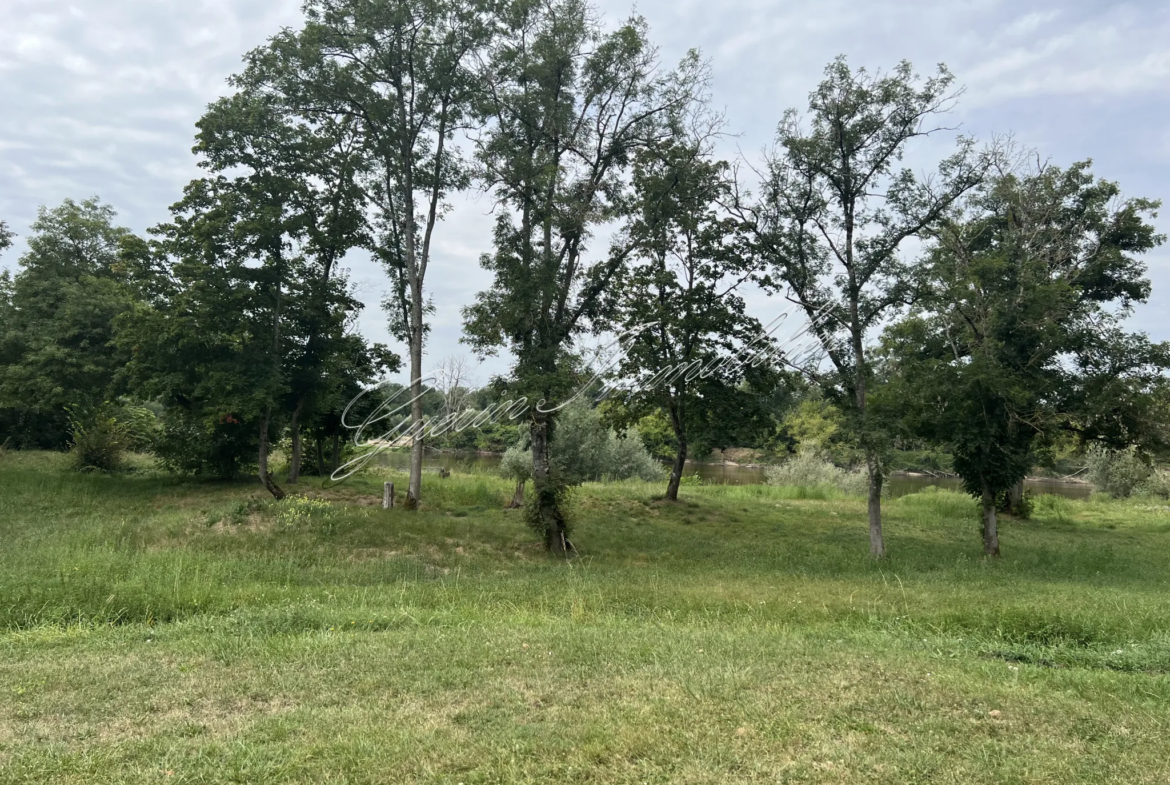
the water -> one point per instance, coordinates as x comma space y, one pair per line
724, 473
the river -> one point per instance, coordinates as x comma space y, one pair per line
726, 473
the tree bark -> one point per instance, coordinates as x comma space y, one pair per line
414, 488
336, 461
320, 453
548, 511
265, 477
676, 472
990, 529
294, 459
518, 496
678, 424
877, 544
1015, 496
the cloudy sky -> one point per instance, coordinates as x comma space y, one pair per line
100, 98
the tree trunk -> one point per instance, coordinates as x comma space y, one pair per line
518, 497
548, 511
990, 529
294, 459
336, 462
265, 477
320, 453
676, 472
414, 489
1015, 496
877, 544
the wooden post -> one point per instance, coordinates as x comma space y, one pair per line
387, 496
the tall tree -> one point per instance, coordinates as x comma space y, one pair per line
395, 72
57, 320
691, 342
314, 169
569, 105
834, 212
1018, 338
210, 341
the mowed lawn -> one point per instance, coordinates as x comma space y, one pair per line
155, 630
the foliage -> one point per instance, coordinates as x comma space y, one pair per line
1022, 508
1157, 484
657, 434
187, 443
817, 425
140, 424
57, 321
585, 449
516, 464
1118, 472
97, 437
925, 461
811, 469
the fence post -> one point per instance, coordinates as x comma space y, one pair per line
387, 496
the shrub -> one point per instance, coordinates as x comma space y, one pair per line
584, 449
1157, 484
140, 425
810, 469
98, 438
516, 464
1117, 472
187, 445
629, 458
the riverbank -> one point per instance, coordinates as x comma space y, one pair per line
156, 629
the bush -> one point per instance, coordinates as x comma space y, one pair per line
98, 438
1117, 472
810, 469
1157, 484
583, 449
140, 425
516, 464
222, 449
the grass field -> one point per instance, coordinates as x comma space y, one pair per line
154, 630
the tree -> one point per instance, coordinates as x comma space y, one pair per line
453, 382
57, 321
1018, 337
208, 344
395, 74
312, 171
569, 106
834, 213
680, 300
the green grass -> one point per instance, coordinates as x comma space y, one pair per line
159, 630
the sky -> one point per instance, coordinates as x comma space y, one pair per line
100, 98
